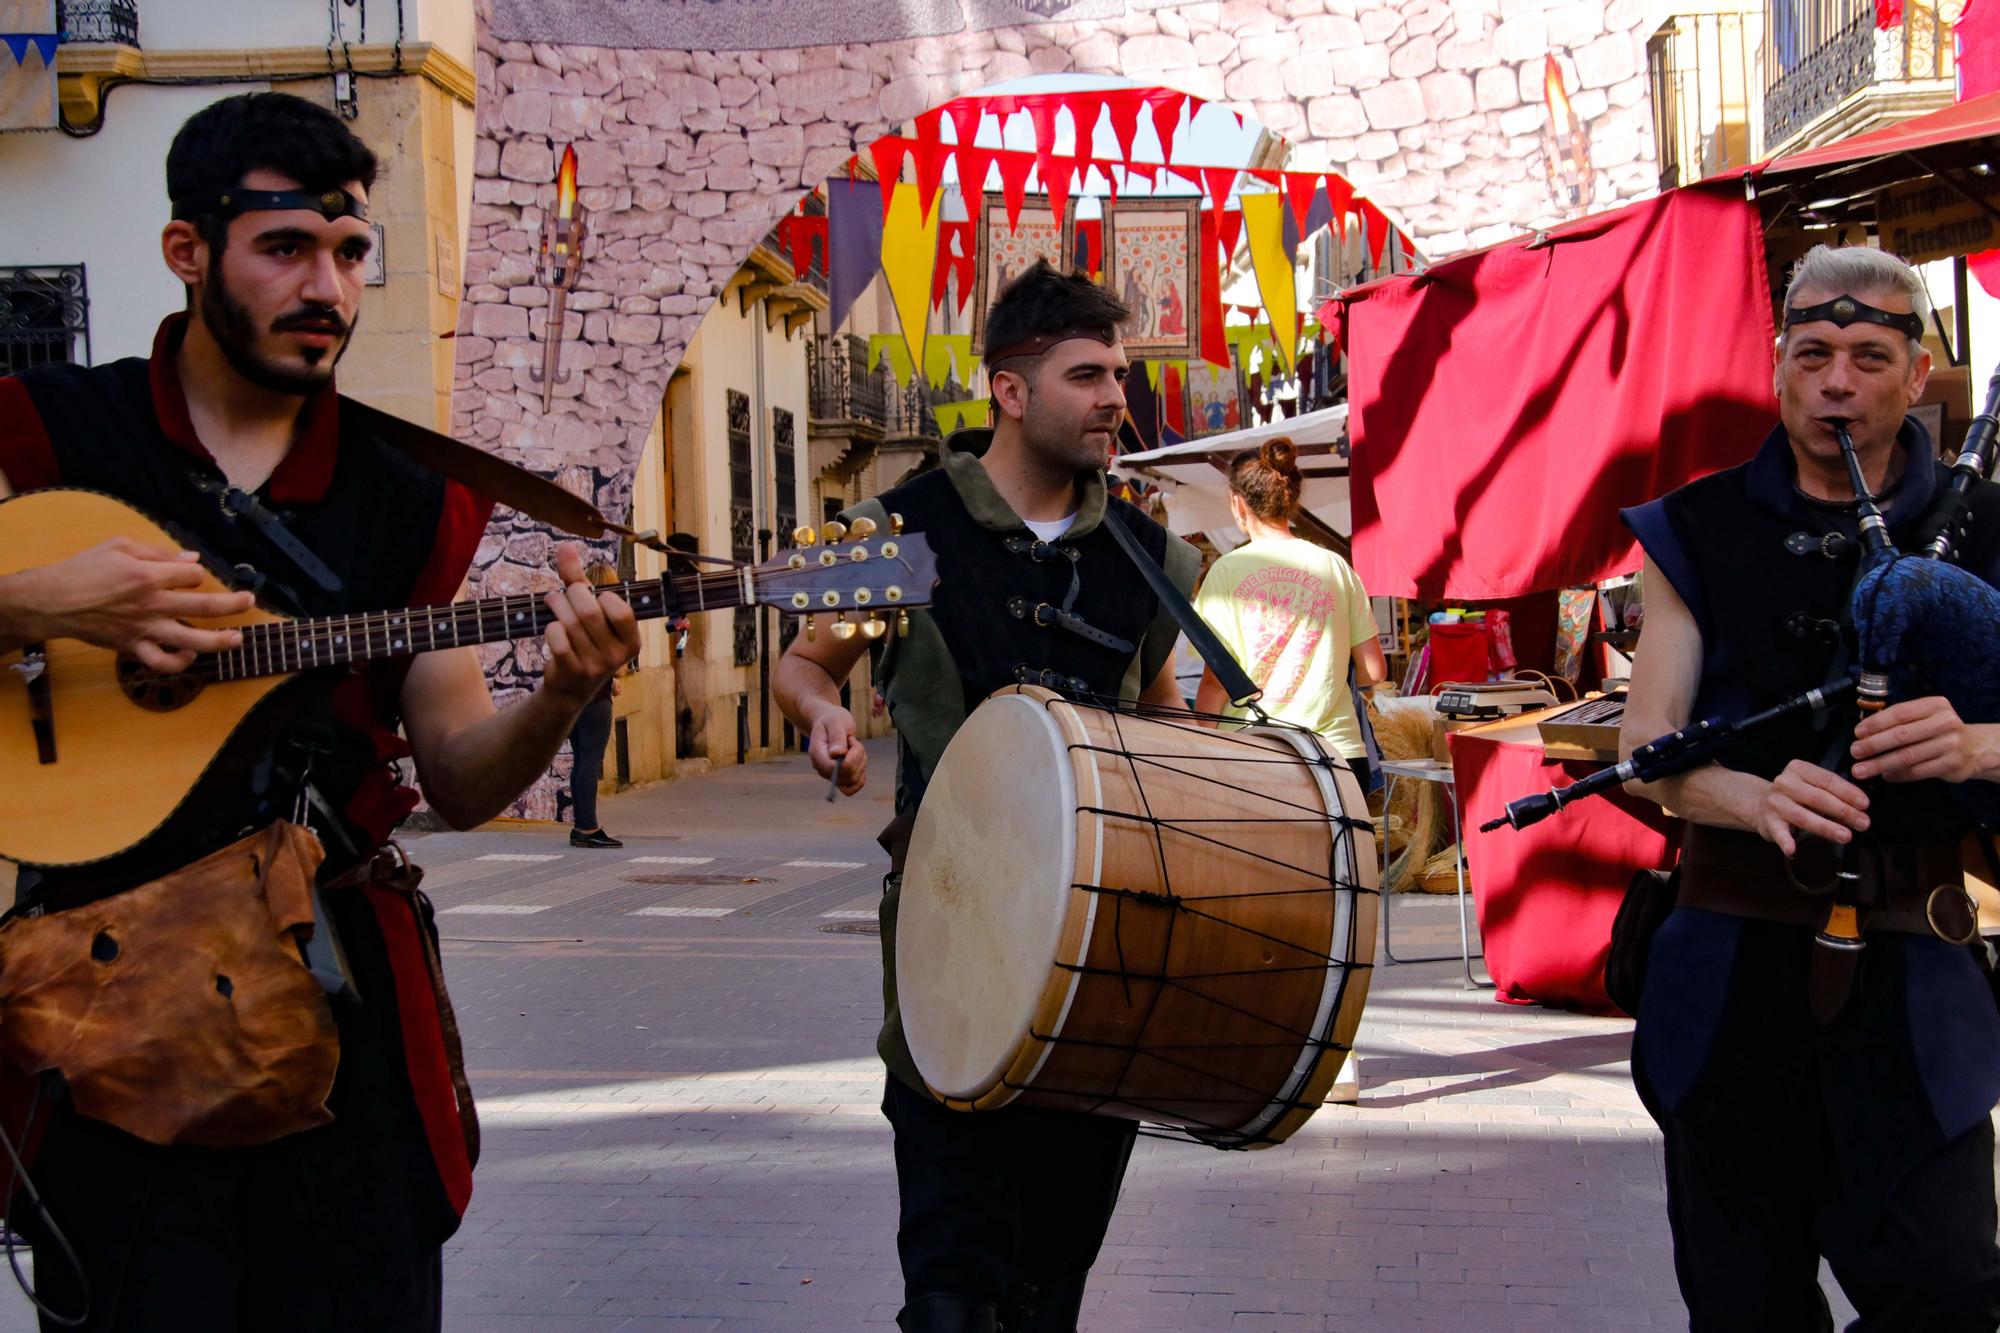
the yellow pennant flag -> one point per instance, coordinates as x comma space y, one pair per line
1264, 229
909, 255
892, 346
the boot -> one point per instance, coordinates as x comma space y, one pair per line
945, 1312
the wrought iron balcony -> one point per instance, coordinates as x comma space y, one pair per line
1818, 53
841, 387
909, 413
1699, 66
111, 21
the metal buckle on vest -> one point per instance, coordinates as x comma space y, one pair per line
1050, 680
1804, 543
1802, 626
1040, 551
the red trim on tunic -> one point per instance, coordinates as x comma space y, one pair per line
27, 458
423, 1042
305, 471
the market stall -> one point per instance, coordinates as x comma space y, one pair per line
1194, 477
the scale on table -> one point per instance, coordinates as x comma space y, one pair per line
1491, 699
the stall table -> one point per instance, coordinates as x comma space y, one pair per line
1546, 895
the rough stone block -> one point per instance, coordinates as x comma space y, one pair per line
1495, 90
1524, 36
781, 146
1606, 61
1447, 95
1359, 67
822, 87
1394, 105
1573, 24
526, 112
1468, 53
1156, 53
499, 321
1381, 25
1522, 120
1338, 116
1254, 78
527, 160
1375, 146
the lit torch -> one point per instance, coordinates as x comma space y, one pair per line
1565, 147
557, 268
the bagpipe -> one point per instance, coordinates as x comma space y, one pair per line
1919, 625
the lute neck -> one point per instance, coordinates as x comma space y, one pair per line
281, 647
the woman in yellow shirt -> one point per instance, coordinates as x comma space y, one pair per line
1294, 614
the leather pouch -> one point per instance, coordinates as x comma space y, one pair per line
1649, 900
182, 1011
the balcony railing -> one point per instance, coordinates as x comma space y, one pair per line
112, 21
1819, 52
841, 387
909, 413
1700, 70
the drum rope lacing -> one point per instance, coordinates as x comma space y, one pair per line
1210, 1131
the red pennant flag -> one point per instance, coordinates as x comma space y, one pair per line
1340, 195
1056, 175
973, 163
968, 241
1266, 175
965, 117
1014, 169
1228, 229
1376, 229
1192, 175
1124, 107
1408, 247
927, 125
1042, 113
888, 154
941, 271
1176, 404
1300, 186
1217, 180
1149, 170
799, 234
1214, 346
1166, 106
1090, 239
1104, 169
1084, 109
930, 172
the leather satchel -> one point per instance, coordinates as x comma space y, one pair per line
1649, 901
182, 1011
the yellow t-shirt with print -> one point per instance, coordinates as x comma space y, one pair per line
1291, 613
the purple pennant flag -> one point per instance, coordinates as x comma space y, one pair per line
1320, 212
853, 242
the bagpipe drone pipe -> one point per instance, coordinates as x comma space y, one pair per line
1922, 626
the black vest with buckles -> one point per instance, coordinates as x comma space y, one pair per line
1776, 587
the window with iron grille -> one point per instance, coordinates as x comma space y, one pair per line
44, 316
742, 521
98, 21
785, 474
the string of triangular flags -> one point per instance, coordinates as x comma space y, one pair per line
43, 43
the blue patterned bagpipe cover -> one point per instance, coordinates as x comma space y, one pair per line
1937, 628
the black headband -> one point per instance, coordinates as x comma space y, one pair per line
1845, 310
235, 201
1036, 344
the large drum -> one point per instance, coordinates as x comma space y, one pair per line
1116, 913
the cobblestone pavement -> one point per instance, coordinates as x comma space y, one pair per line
672, 1044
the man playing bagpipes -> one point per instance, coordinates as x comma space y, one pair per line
285, 1144
1817, 1035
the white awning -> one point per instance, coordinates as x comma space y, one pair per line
1195, 478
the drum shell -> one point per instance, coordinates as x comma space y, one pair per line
1192, 982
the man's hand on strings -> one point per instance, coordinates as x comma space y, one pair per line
594, 633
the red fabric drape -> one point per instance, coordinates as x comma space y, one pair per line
1546, 895
1506, 404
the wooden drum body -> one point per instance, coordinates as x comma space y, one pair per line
1120, 914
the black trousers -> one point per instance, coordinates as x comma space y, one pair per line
587, 740
1798, 1141
1005, 1209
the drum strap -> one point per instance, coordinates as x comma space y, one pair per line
1243, 692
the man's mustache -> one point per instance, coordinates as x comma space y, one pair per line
311, 321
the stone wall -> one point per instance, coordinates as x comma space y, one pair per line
1433, 108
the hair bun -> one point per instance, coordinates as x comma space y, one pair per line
1282, 456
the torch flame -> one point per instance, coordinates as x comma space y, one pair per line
1556, 96
566, 185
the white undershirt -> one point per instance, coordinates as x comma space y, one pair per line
1049, 529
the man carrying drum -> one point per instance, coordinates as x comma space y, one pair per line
1003, 1212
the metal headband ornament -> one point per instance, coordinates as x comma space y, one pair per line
235, 201
1036, 344
1845, 310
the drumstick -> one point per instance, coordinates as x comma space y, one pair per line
833, 783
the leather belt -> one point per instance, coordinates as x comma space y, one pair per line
1740, 874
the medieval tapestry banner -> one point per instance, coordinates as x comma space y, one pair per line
1214, 398
1005, 253
1150, 249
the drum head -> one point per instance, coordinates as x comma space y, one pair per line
985, 895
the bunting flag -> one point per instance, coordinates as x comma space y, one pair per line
1218, 181
927, 125
798, 234
1173, 400
1320, 212
1228, 229
974, 163
42, 43
956, 242
1166, 106
1247, 339
854, 245
1339, 196
1014, 169
909, 254
897, 352
1214, 345
1264, 226
1056, 174
888, 153
959, 345
1124, 123
1090, 245
939, 361
1300, 189
1375, 226
930, 158
957, 416
965, 117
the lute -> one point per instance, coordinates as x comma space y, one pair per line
100, 752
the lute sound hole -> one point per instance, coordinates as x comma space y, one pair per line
152, 691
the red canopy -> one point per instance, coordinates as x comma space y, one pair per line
1505, 404
1958, 125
